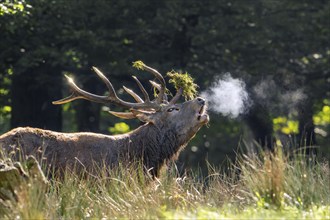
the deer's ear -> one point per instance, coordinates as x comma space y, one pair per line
144, 116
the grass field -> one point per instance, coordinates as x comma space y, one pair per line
264, 186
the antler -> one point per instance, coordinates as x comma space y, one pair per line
145, 104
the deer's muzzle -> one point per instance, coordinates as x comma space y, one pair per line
203, 117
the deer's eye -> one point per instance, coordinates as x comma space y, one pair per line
172, 109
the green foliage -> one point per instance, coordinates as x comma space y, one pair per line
322, 126
185, 82
5, 102
11, 7
322, 117
5, 110
289, 126
286, 126
119, 128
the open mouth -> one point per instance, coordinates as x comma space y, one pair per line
202, 112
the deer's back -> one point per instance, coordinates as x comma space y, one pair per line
62, 149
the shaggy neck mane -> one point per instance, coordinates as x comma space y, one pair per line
155, 145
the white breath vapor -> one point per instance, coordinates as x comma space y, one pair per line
228, 96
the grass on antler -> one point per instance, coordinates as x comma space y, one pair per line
184, 81
179, 80
138, 65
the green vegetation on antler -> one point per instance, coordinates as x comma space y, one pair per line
179, 80
139, 65
184, 81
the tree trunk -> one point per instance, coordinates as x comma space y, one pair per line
88, 113
306, 136
261, 126
32, 93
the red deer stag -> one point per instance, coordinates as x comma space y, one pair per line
167, 130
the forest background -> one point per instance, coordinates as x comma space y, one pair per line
279, 49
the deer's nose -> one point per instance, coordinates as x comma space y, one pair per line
200, 100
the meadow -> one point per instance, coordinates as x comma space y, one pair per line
264, 185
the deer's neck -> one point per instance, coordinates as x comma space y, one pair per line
154, 145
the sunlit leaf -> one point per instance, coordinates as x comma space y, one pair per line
119, 128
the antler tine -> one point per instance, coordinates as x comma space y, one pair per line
158, 87
133, 94
124, 115
176, 97
106, 81
155, 85
160, 79
80, 94
145, 94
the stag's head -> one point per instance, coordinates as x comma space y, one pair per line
184, 118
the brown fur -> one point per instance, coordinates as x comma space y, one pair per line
164, 135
